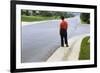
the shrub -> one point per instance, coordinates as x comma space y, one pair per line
85, 17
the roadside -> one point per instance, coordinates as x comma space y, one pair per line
36, 18
85, 49
36, 22
68, 53
76, 18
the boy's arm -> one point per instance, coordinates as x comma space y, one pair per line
66, 24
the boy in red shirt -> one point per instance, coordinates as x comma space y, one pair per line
63, 32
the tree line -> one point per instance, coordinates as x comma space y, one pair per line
85, 17
47, 13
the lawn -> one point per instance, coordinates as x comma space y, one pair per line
85, 49
82, 22
35, 18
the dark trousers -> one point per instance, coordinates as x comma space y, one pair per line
63, 35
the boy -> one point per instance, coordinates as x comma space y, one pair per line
63, 32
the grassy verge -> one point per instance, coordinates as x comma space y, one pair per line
82, 22
35, 18
85, 49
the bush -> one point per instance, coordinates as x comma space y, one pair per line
85, 49
85, 17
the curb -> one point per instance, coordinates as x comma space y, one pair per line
68, 53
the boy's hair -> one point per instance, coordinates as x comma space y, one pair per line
62, 17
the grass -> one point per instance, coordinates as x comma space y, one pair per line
82, 22
35, 18
85, 49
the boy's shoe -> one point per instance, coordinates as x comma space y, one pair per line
67, 45
62, 46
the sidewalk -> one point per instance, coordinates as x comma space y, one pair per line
68, 53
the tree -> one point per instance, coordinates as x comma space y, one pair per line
23, 12
85, 17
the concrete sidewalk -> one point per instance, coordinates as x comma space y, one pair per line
68, 53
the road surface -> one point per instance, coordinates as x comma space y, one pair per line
40, 40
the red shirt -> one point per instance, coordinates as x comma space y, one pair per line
63, 25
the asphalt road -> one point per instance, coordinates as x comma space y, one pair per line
40, 40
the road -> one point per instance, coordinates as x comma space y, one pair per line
40, 40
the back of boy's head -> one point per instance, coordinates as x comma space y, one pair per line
62, 17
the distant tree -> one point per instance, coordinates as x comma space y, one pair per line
46, 13
27, 12
68, 14
23, 12
85, 17
65, 14
55, 14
